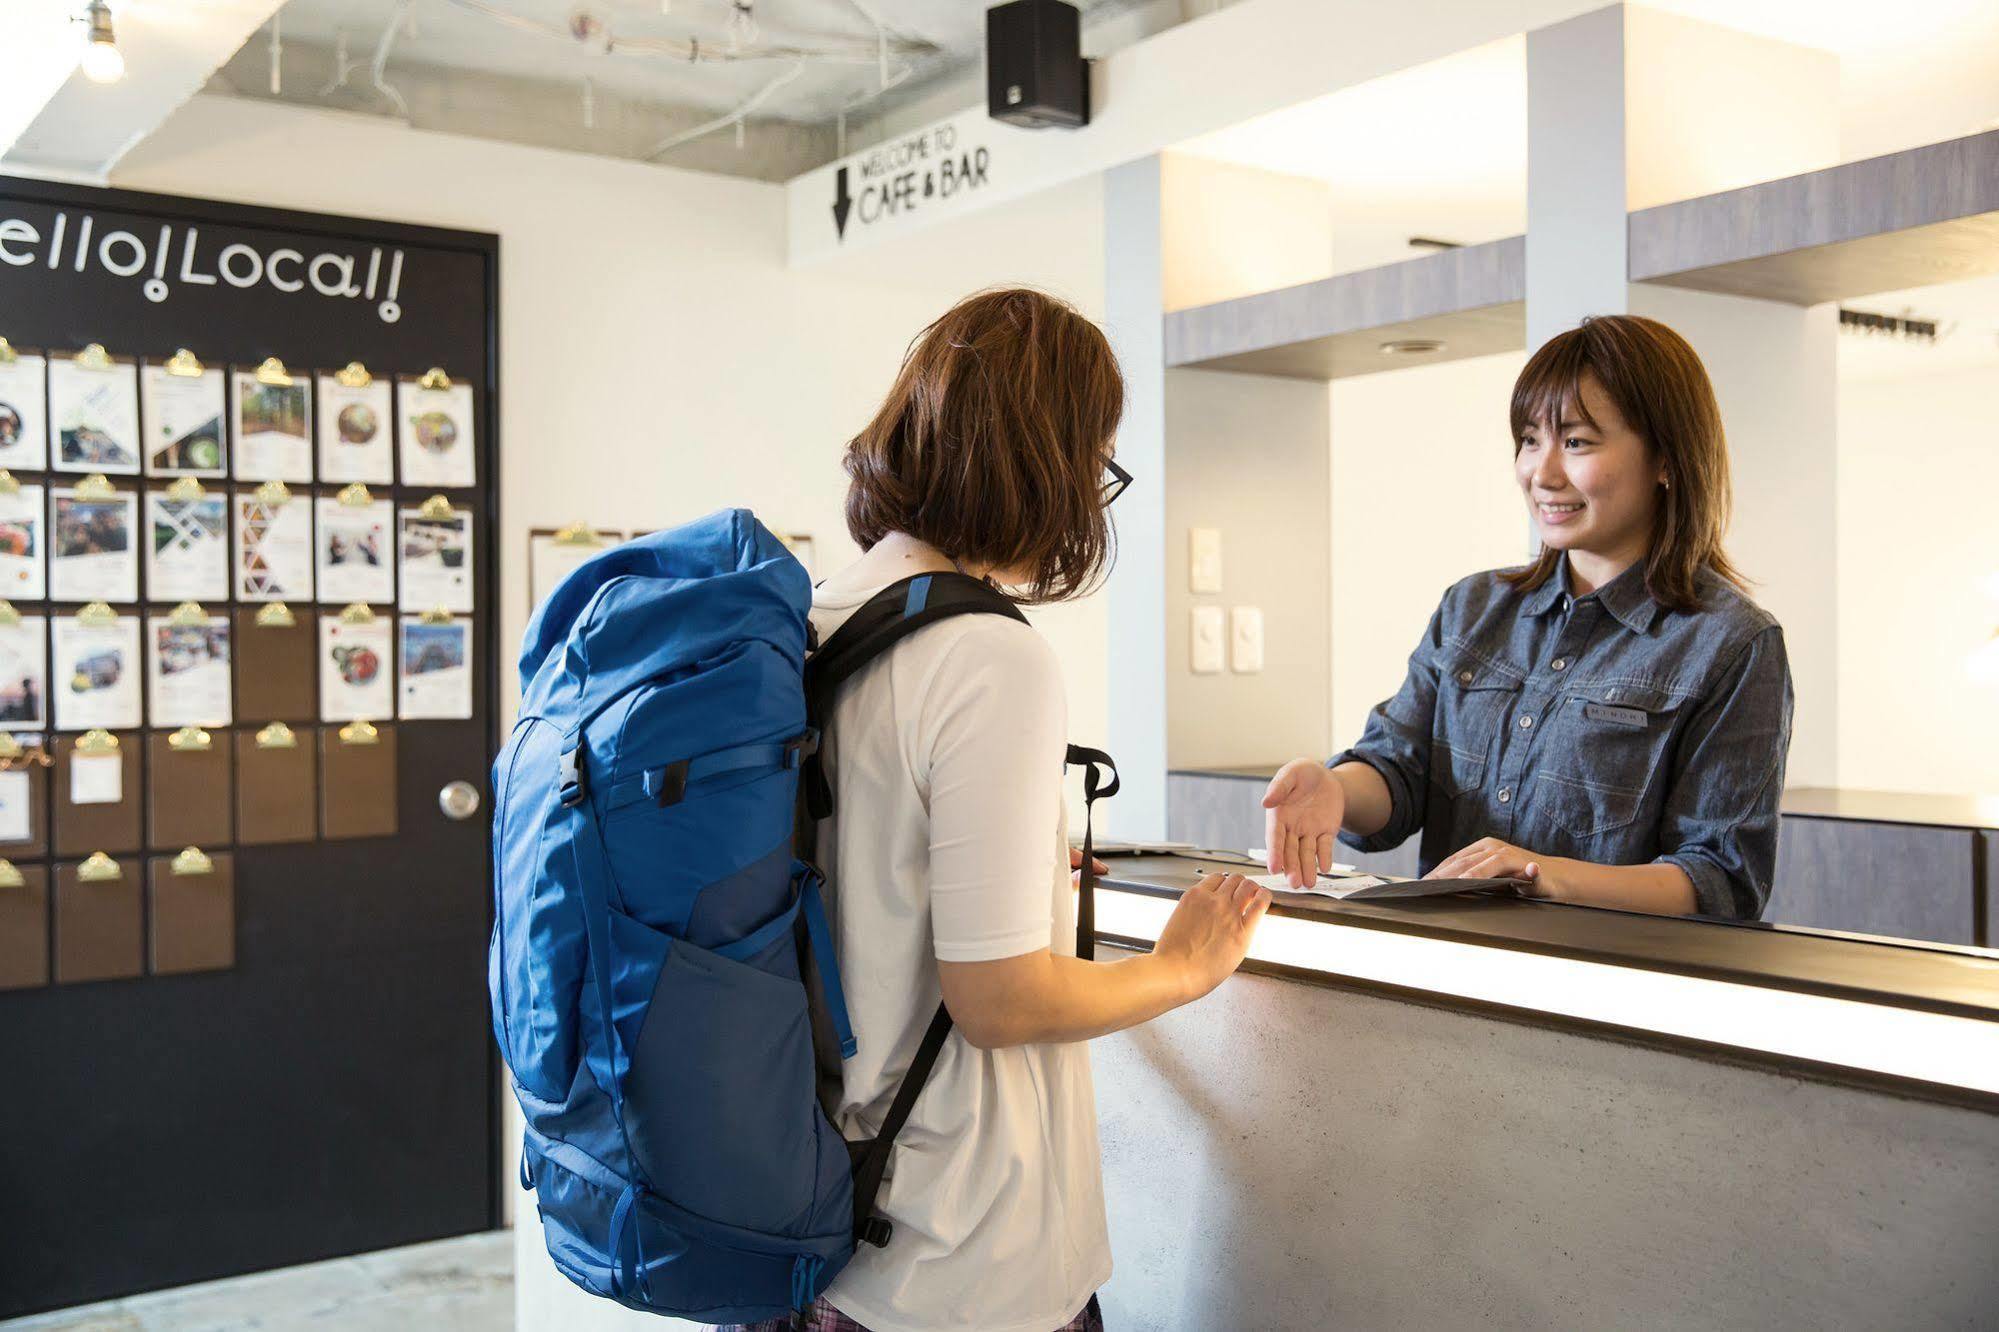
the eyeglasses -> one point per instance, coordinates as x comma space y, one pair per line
1116, 483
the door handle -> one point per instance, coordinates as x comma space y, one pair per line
459, 800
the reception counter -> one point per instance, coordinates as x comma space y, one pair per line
1496, 1112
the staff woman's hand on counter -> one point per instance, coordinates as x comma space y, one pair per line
1490, 858
1302, 813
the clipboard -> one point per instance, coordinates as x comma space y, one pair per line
28, 763
357, 780
190, 786
100, 921
191, 898
275, 800
555, 552
24, 926
276, 651
112, 826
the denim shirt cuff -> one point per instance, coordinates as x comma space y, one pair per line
1714, 891
1383, 840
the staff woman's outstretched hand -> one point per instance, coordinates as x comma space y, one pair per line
1209, 931
1301, 815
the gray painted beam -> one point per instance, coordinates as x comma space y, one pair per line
1907, 219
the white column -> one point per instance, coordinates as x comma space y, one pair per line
1134, 318
1576, 263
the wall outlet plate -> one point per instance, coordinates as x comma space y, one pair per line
1246, 639
1204, 559
1205, 646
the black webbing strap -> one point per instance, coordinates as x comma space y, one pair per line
873, 1163
1094, 789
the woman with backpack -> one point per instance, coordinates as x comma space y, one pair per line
945, 849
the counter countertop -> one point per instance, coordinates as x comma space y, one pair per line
1810, 802
1936, 978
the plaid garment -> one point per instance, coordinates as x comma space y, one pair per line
823, 1317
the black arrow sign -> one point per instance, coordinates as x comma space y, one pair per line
842, 203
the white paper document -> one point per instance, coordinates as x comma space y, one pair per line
1338, 889
96, 779
187, 551
23, 545
96, 675
24, 422
96, 417
188, 669
24, 675
356, 432
435, 682
95, 552
354, 669
271, 435
356, 551
434, 435
14, 823
436, 559
184, 422
273, 549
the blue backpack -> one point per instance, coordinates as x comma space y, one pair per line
661, 968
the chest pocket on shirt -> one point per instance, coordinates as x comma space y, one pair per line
1474, 697
1603, 748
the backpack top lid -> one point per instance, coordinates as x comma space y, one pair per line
697, 587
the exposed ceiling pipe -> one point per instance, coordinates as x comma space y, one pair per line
831, 52
735, 117
381, 61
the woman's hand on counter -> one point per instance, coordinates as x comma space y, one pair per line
1208, 933
1302, 811
1490, 858
1076, 865
1662, 888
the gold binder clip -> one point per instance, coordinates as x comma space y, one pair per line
435, 615
359, 732
276, 615
273, 372
96, 743
359, 612
9, 483
434, 379
7, 353
96, 486
94, 357
185, 489
192, 861
9, 876
355, 496
100, 868
10, 747
9, 617
184, 364
437, 507
579, 534
353, 375
188, 615
277, 736
190, 740
274, 492
97, 615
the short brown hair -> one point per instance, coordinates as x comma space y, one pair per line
1658, 384
991, 444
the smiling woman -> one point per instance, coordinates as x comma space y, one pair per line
1610, 722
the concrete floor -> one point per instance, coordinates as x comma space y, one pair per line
454, 1285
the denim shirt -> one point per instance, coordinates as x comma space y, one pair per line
1604, 728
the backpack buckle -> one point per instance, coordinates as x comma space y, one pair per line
877, 1230
801, 748
572, 787
672, 784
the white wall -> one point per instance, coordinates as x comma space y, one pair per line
1918, 559
1422, 494
657, 359
1229, 230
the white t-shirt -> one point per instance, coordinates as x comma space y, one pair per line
948, 842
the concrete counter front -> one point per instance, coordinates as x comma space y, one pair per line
1497, 1113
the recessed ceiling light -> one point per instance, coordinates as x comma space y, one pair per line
1411, 346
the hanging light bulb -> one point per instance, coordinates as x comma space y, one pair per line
103, 62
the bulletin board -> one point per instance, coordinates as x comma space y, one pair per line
247, 658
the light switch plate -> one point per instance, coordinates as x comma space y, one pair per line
1205, 648
1204, 559
1246, 639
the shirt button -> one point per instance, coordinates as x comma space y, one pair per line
1505, 794
1560, 663
1609, 694
1527, 722
1464, 677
